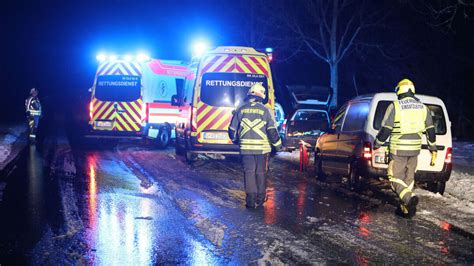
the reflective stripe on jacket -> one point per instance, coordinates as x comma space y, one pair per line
253, 127
33, 106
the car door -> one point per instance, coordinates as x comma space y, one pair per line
329, 142
351, 135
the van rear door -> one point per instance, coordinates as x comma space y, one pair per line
442, 129
225, 81
116, 102
443, 139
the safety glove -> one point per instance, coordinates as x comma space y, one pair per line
434, 154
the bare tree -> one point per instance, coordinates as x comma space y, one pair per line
330, 28
443, 13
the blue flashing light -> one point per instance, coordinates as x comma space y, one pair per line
112, 57
128, 57
199, 48
101, 57
269, 50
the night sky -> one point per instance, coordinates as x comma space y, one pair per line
52, 45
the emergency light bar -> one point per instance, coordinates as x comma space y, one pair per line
141, 57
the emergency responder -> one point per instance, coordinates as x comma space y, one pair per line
33, 113
253, 127
404, 122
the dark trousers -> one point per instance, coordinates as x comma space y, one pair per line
254, 173
33, 122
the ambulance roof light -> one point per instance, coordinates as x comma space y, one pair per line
199, 48
128, 57
112, 57
101, 57
269, 50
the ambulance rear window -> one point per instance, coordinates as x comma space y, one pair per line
118, 88
229, 89
436, 111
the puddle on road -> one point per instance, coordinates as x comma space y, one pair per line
129, 224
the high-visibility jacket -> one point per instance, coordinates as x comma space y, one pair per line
253, 127
33, 106
405, 121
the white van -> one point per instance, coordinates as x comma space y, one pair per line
347, 148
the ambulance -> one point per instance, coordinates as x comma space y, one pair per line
216, 84
131, 97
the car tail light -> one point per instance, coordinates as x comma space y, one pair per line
449, 155
367, 151
91, 107
194, 119
283, 126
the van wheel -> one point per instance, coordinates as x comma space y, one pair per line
437, 186
318, 167
163, 137
354, 177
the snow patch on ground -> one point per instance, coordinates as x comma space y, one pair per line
461, 186
8, 137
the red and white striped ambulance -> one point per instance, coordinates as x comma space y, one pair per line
216, 84
132, 98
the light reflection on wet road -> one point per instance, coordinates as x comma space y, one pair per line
142, 206
128, 224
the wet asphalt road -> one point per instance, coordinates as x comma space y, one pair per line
71, 201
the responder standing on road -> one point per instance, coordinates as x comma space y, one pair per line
33, 112
404, 122
253, 127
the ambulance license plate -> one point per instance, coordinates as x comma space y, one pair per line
215, 135
105, 124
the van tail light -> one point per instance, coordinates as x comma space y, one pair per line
144, 114
449, 155
367, 151
91, 107
194, 119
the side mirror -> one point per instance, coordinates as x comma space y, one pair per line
175, 100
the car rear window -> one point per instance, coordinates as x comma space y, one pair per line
436, 111
309, 121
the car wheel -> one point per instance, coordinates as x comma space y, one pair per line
163, 137
440, 187
354, 177
318, 167
437, 186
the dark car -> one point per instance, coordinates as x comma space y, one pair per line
306, 125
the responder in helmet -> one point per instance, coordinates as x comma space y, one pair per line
404, 122
33, 113
253, 127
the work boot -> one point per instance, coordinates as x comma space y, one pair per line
411, 206
261, 198
250, 200
408, 210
